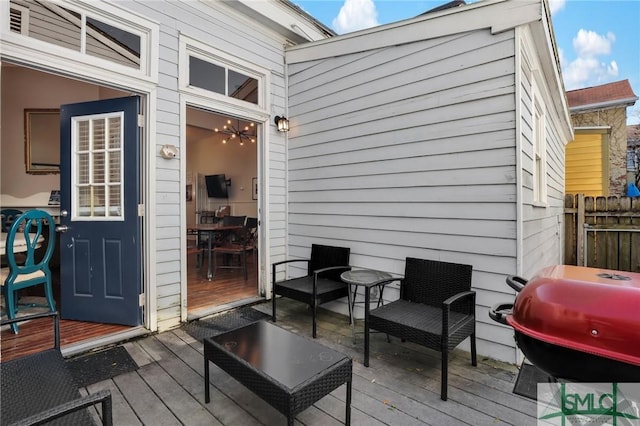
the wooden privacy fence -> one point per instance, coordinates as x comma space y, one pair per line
602, 232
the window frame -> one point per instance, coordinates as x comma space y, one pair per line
539, 148
191, 47
38, 51
107, 183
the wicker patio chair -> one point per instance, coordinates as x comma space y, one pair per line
436, 309
322, 282
38, 388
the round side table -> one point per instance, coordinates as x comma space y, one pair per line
366, 278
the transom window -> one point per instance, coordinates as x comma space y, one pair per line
223, 80
52, 23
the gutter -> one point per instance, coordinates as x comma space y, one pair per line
328, 32
608, 104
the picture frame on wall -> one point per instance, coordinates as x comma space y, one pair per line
254, 188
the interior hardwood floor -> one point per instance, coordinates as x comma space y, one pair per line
227, 286
37, 335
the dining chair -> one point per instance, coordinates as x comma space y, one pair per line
202, 241
238, 247
233, 220
7, 216
251, 223
232, 236
30, 231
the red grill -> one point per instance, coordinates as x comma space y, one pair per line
578, 323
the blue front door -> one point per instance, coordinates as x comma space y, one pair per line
100, 242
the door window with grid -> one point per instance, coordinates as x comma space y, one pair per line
97, 175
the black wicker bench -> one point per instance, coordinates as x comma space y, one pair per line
38, 388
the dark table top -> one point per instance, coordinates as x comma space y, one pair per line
286, 357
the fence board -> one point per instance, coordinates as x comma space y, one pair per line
613, 237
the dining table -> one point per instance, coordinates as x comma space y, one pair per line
211, 230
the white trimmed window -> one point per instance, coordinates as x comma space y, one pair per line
539, 151
207, 72
88, 32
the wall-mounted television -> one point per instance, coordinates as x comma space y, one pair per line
216, 186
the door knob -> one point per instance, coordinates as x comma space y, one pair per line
62, 228
64, 213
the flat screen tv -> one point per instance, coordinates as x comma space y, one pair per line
216, 186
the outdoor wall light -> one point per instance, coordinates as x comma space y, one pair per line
169, 152
282, 123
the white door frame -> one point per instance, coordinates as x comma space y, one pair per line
262, 119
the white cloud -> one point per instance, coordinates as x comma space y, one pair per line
590, 43
355, 15
588, 69
556, 5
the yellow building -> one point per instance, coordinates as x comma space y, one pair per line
595, 161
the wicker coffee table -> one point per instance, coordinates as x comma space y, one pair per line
288, 371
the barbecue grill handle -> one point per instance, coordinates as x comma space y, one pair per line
517, 283
499, 312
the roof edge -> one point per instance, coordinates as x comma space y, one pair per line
283, 17
496, 15
626, 102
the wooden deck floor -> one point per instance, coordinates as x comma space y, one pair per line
401, 387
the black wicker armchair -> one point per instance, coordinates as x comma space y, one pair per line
38, 388
436, 309
322, 282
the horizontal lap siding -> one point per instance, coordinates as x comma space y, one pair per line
542, 225
410, 151
219, 27
584, 168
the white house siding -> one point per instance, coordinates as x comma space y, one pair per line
222, 28
542, 239
414, 139
409, 150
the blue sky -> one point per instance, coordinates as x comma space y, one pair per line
598, 40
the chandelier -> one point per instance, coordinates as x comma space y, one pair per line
241, 134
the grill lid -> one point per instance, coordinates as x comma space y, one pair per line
588, 309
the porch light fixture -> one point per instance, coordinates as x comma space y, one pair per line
241, 134
282, 123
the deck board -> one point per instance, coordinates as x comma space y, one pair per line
123, 413
181, 403
225, 408
401, 386
149, 408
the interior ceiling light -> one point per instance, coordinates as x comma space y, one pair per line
241, 134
